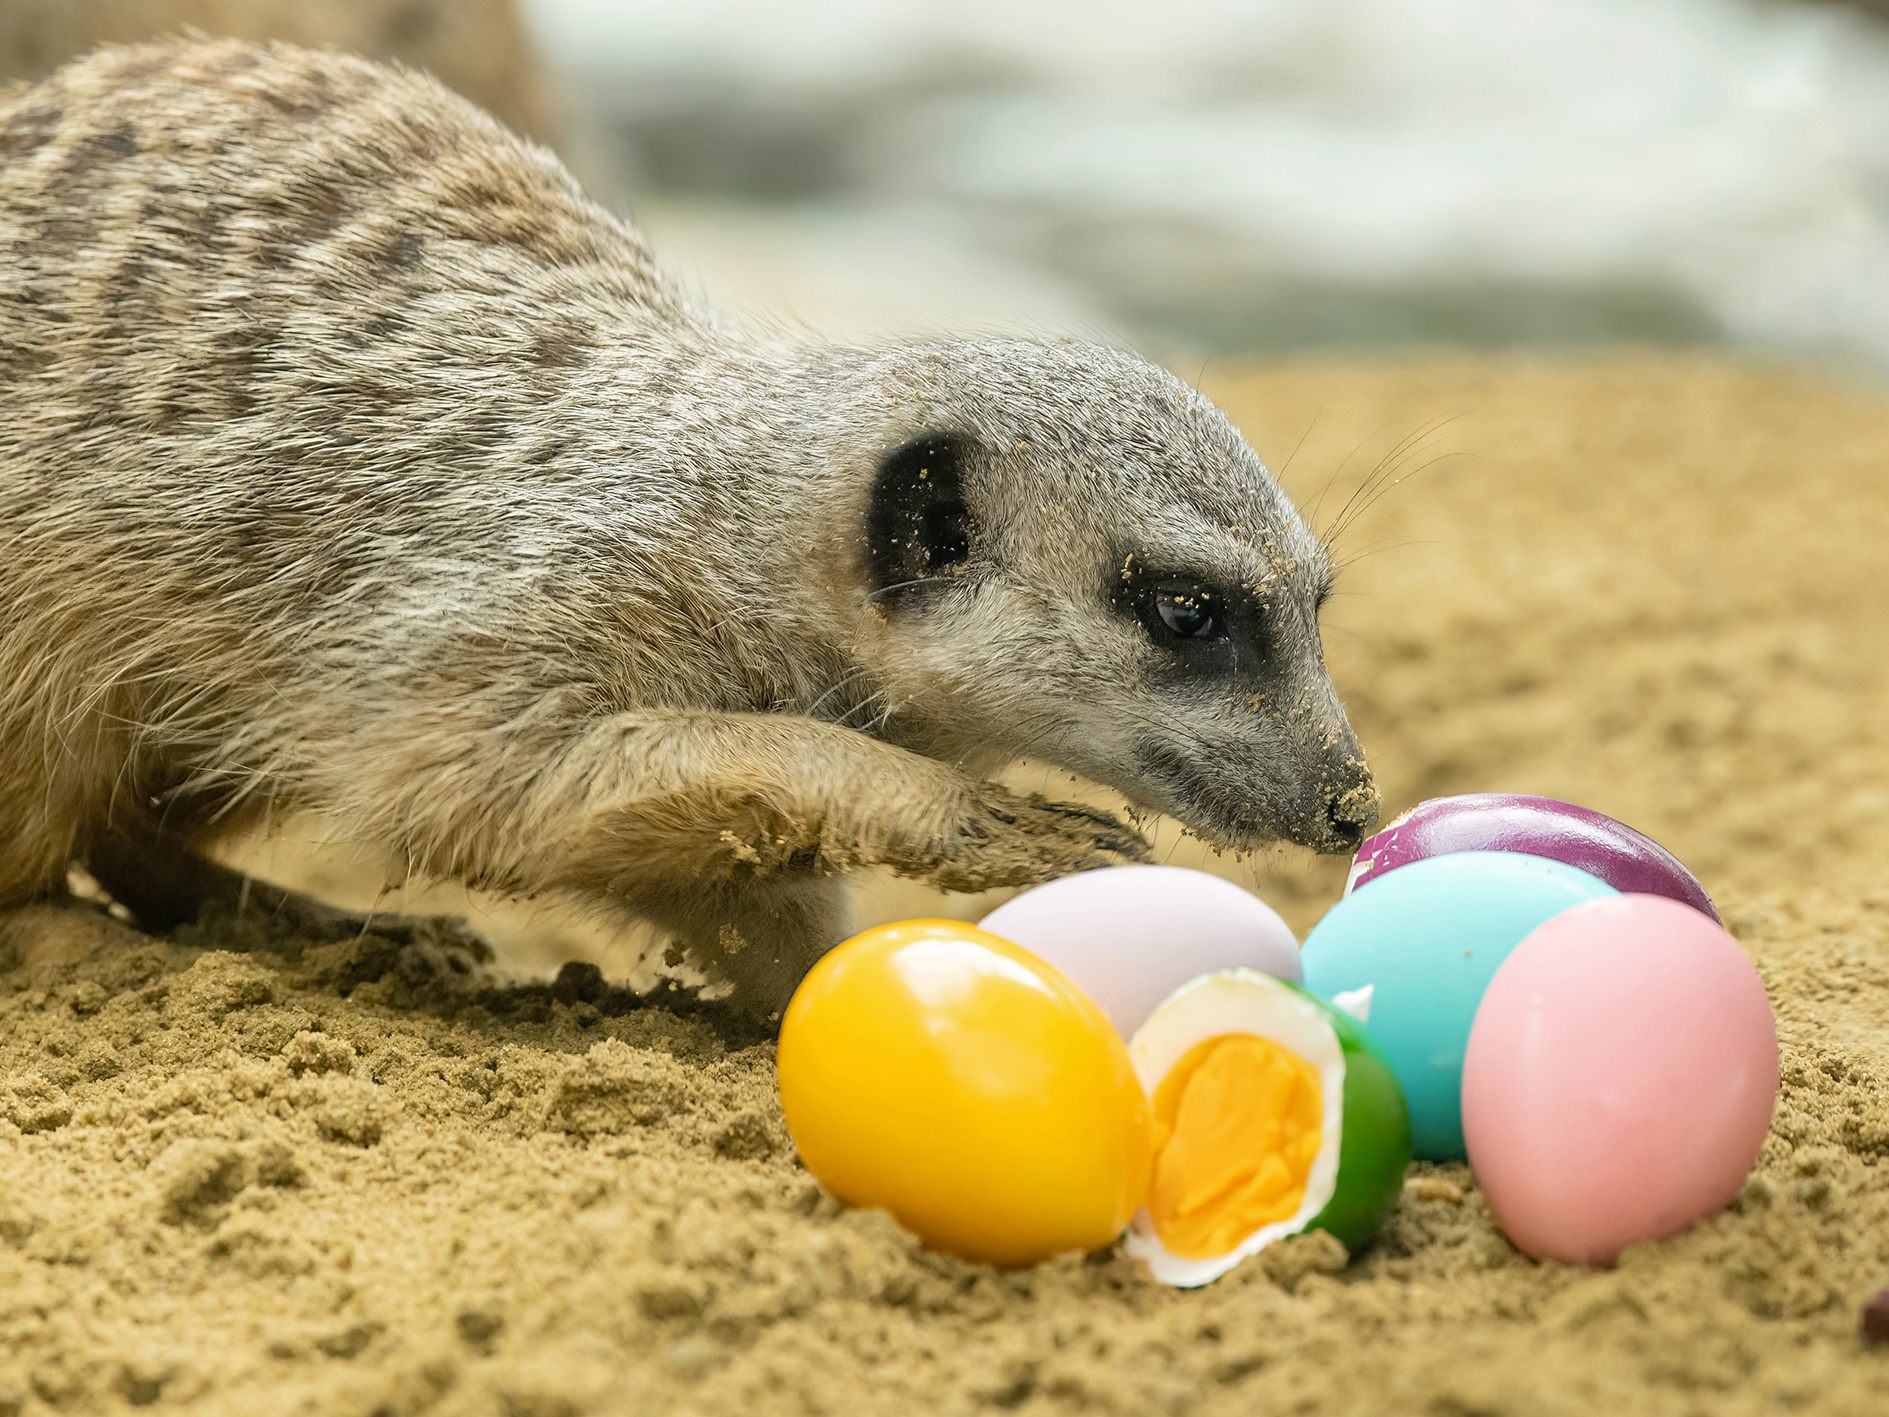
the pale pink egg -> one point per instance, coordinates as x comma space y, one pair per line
1620, 1078
1132, 935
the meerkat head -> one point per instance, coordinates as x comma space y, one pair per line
1069, 555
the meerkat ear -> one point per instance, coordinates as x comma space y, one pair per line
919, 525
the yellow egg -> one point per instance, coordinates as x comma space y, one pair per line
959, 1082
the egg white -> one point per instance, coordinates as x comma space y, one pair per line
1239, 1001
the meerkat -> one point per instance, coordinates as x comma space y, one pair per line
351, 459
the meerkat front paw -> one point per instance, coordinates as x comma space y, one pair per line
1004, 838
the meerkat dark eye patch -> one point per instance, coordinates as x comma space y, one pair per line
1198, 622
1182, 613
919, 527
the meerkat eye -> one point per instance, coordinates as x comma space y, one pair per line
1188, 614
1177, 612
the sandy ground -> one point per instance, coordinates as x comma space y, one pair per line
243, 1175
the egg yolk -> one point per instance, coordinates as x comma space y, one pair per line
1238, 1123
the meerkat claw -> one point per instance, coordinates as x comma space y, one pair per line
1014, 840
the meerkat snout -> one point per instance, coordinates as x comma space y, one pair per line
1078, 559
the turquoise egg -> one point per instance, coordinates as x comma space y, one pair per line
1427, 938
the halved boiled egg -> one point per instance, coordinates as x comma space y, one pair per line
1274, 1113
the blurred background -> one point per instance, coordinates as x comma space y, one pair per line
1225, 176
1235, 180
1259, 176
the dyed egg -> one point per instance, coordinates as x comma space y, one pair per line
1274, 1113
1625, 859
1620, 1078
945, 1075
1131, 935
1426, 939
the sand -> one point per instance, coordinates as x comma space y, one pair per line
243, 1175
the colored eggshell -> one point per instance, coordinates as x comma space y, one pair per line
1132, 935
944, 1075
1426, 940
1620, 1078
1625, 859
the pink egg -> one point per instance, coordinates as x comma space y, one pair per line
1619, 1079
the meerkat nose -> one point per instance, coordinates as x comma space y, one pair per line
1345, 835
1351, 816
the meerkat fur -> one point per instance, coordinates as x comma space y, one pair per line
352, 459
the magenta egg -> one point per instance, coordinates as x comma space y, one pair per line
1627, 860
1619, 1080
